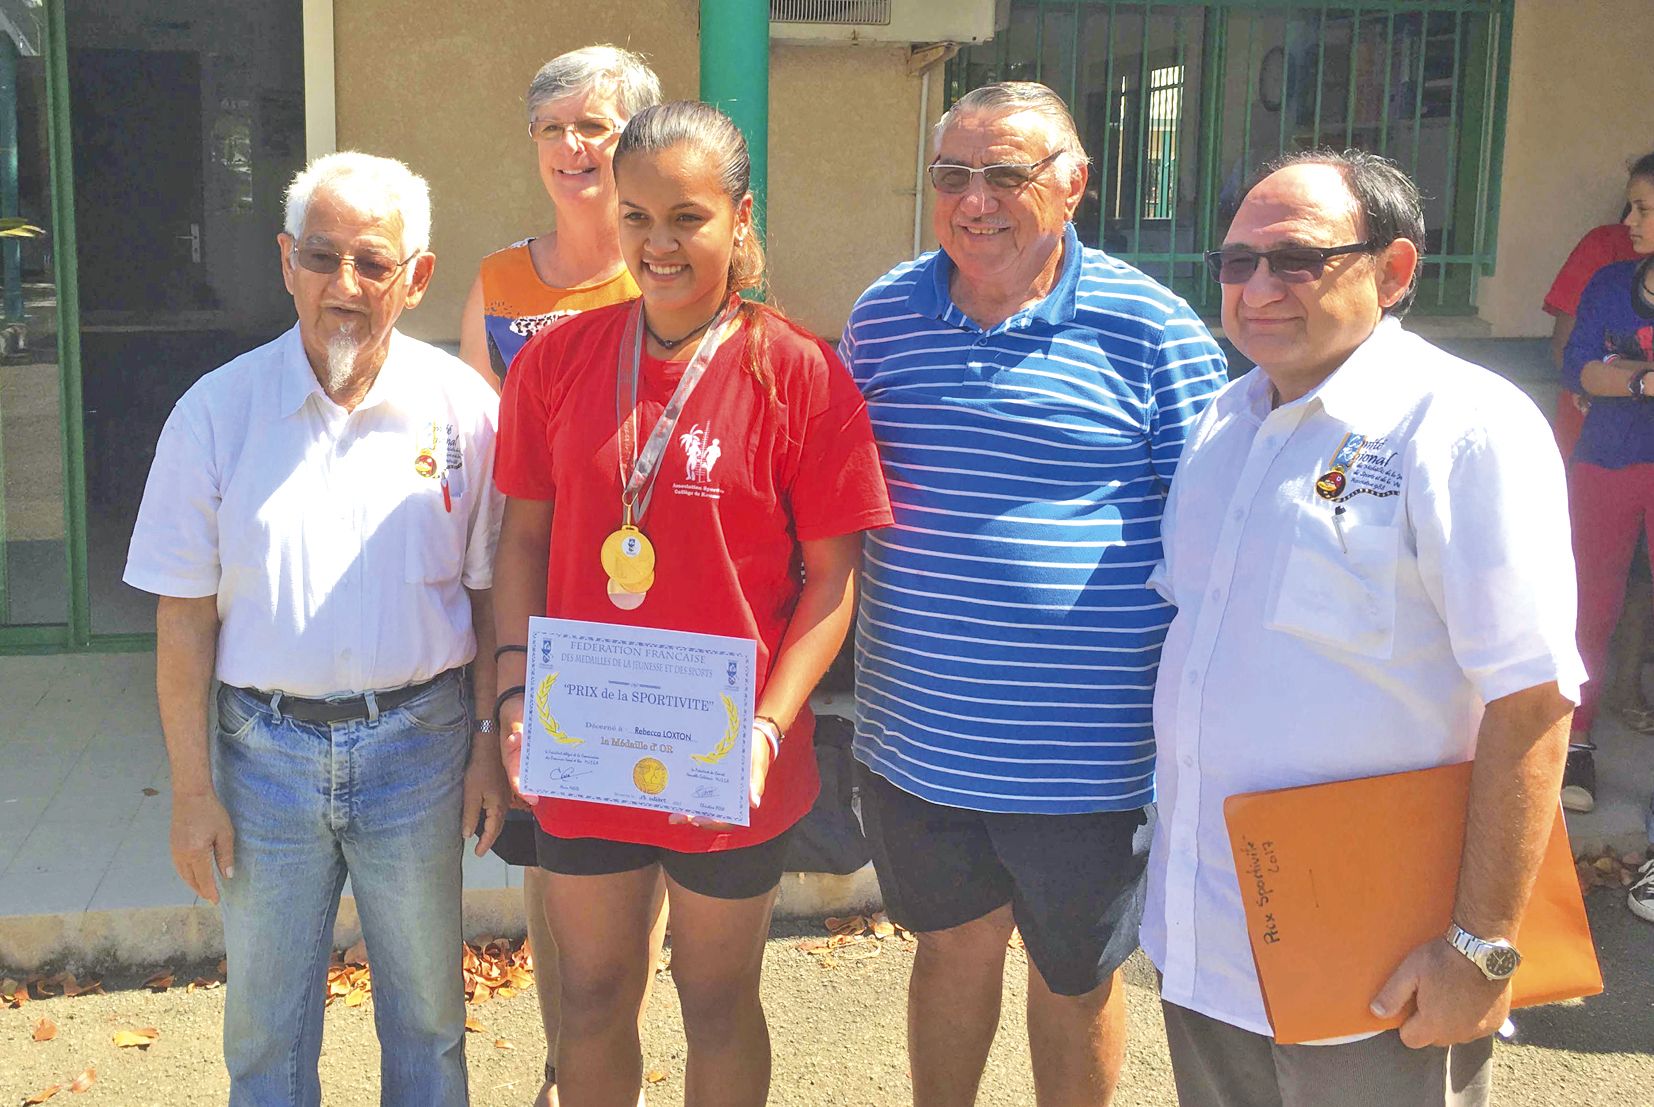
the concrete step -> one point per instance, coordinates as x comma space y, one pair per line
152, 936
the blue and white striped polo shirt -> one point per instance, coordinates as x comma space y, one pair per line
1006, 641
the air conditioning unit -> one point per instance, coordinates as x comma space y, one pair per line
852, 22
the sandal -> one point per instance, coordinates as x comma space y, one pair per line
548, 1090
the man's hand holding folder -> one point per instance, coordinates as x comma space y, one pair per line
1343, 882
1443, 998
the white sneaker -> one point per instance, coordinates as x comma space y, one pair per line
1641, 897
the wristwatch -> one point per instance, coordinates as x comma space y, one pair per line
1497, 960
1639, 384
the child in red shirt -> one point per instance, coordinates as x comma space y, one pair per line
755, 512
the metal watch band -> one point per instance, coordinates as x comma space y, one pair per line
1490, 958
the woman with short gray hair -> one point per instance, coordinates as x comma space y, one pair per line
578, 103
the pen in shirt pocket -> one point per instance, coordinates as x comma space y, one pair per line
1338, 525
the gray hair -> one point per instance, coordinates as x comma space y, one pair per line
1011, 97
382, 186
609, 70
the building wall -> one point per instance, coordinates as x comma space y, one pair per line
1580, 90
842, 136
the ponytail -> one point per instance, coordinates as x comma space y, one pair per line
664, 126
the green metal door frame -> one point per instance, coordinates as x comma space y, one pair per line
1481, 48
76, 633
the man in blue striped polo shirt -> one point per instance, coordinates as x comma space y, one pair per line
1030, 397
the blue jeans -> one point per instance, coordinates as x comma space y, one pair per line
378, 799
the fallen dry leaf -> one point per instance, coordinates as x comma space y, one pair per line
1015, 941
862, 952
472, 1026
501, 1043
203, 983
882, 926
160, 982
84, 1081
43, 1094
90, 988
13, 993
356, 997
141, 1038
45, 1030
853, 924
1608, 869
151, 792
654, 1076
357, 954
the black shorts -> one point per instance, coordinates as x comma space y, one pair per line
1075, 883
515, 845
722, 874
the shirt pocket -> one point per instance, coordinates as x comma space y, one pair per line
1339, 585
433, 539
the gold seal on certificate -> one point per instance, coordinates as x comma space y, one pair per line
639, 717
650, 776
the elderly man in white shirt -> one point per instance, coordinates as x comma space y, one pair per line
319, 525
1368, 547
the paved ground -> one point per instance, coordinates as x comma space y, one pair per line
838, 1029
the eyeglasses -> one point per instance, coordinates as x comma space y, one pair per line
1290, 264
372, 268
587, 130
1005, 176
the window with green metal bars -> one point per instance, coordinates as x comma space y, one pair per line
1179, 102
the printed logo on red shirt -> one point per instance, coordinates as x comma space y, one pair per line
700, 454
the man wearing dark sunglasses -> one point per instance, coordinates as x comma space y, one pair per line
1030, 398
1368, 550
319, 527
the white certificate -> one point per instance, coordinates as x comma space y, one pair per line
657, 719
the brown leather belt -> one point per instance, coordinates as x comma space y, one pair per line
341, 709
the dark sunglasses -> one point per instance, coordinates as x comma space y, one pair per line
1005, 176
1290, 264
369, 267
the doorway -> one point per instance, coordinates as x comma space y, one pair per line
34, 567
187, 122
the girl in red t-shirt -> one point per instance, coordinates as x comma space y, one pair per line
756, 510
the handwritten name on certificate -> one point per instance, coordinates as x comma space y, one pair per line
657, 719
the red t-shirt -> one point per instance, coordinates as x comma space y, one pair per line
772, 472
1601, 246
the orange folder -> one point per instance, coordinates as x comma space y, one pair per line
1341, 881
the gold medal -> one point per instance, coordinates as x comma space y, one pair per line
628, 556
621, 598
639, 587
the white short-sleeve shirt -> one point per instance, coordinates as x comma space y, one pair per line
339, 544
1356, 573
